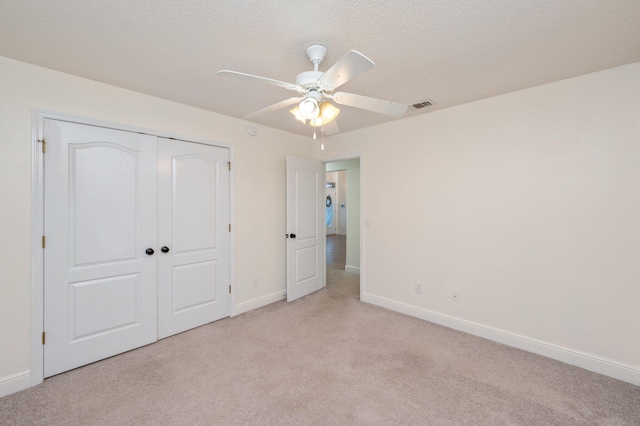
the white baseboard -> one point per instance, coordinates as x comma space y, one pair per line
15, 383
352, 269
589, 362
259, 302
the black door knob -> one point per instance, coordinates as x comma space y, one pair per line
149, 251
293, 235
165, 249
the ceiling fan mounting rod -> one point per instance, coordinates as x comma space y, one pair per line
316, 54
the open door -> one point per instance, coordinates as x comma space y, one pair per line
305, 227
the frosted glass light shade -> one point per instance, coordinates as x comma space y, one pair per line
309, 108
328, 113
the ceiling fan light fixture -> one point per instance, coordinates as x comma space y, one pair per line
298, 115
328, 113
309, 108
316, 122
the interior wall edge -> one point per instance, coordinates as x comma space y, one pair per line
589, 362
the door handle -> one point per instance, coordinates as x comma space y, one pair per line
165, 249
292, 235
149, 251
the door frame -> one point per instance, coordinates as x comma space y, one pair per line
345, 157
38, 118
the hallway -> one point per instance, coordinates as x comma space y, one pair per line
336, 251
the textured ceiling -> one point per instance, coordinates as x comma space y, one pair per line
449, 51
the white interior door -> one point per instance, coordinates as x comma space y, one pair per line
193, 233
100, 217
305, 227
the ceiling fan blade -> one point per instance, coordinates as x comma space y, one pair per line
370, 104
275, 107
235, 74
349, 66
331, 128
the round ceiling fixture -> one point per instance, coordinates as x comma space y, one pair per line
309, 108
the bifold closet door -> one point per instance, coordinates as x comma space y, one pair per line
193, 235
100, 218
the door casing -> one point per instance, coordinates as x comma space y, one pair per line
37, 220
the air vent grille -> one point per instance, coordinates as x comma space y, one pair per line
423, 104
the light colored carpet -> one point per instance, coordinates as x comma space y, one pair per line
325, 359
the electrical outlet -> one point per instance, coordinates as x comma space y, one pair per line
256, 281
455, 296
418, 288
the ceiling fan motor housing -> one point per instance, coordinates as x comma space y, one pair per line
308, 79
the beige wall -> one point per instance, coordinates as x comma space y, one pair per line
527, 204
259, 178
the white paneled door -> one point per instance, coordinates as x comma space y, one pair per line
305, 227
193, 232
137, 241
100, 218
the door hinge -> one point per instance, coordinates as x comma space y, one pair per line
229, 227
43, 241
229, 163
44, 145
43, 337
229, 288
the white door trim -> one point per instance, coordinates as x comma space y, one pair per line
37, 219
353, 156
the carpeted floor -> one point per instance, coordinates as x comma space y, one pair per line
326, 359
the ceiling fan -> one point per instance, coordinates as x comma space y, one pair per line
315, 88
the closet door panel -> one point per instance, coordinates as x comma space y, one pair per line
100, 217
193, 219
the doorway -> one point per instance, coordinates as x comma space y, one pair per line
342, 214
